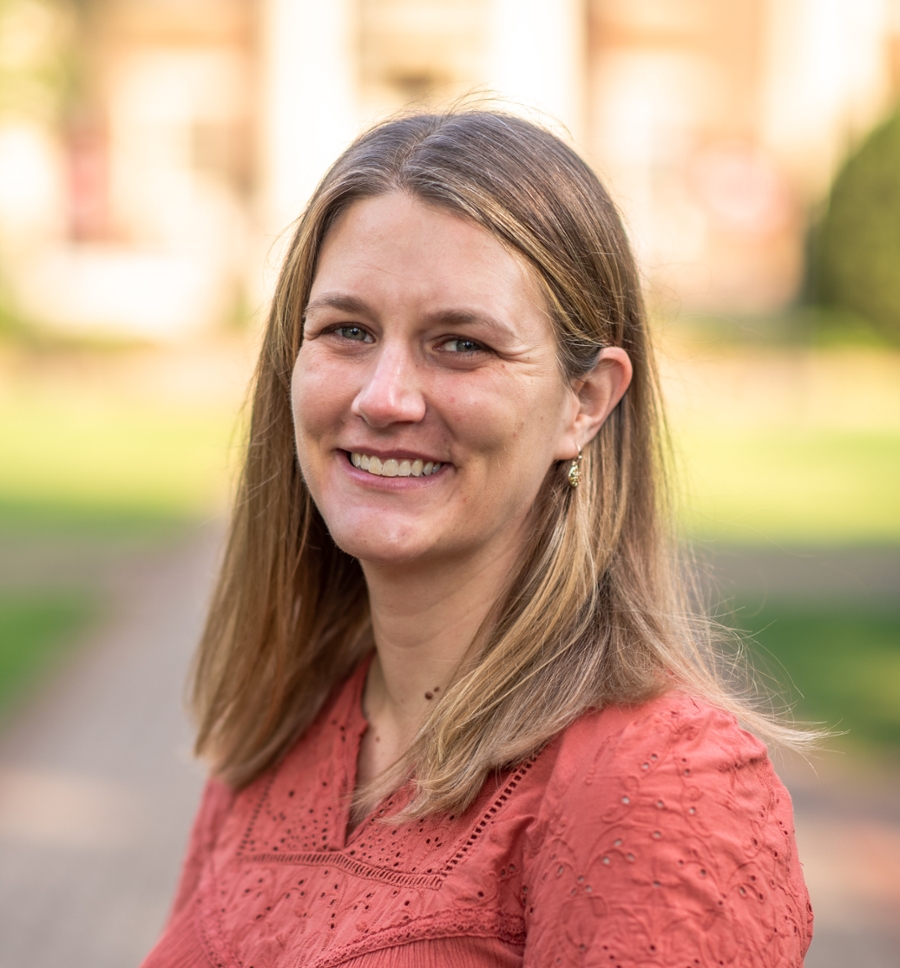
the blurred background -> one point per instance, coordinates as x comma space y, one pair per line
153, 154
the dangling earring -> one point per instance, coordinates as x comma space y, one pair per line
574, 474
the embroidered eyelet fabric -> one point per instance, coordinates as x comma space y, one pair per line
649, 836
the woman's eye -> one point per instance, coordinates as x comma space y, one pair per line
356, 333
462, 346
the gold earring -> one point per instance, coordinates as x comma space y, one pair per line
574, 474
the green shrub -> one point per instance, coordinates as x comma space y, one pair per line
855, 251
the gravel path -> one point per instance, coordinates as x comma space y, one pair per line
97, 791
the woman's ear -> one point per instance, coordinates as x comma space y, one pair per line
597, 394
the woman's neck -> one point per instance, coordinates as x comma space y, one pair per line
425, 620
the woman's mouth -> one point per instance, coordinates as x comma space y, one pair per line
394, 467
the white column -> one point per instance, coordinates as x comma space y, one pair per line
537, 54
827, 79
308, 108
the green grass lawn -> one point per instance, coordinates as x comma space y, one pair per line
790, 487
142, 466
83, 472
113, 468
105, 470
839, 664
37, 627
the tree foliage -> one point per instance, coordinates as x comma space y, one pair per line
855, 255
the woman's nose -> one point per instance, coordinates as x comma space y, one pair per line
391, 392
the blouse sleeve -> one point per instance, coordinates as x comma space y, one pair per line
667, 840
214, 806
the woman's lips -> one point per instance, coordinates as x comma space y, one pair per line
393, 466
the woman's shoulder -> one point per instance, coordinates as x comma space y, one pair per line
666, 755
670, 817
658, 736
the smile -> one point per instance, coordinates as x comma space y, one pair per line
392, 467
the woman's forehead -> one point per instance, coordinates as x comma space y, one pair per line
398, 246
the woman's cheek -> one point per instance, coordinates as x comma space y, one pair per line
321, 397
483, 418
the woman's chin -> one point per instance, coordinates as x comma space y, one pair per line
383, 546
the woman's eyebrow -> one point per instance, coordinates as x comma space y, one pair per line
346, 303
340, 301
464, 317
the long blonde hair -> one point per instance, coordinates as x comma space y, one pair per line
597, 612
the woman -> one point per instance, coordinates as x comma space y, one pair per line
455, 705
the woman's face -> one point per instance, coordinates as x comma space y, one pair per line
426, 347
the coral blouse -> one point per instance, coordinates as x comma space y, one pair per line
655, 835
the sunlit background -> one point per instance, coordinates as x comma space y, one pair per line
153, 154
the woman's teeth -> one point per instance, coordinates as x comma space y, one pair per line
392, 467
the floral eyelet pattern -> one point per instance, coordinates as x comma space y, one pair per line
649, 836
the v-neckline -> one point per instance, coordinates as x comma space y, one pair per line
356, 726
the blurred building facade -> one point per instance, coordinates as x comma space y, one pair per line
152, 152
